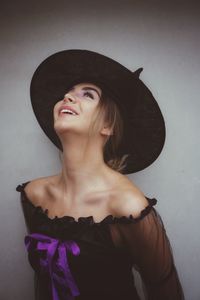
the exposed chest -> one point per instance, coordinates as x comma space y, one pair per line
96, 205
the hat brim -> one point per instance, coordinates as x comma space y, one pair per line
144, 126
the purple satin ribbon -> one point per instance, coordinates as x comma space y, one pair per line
50, 265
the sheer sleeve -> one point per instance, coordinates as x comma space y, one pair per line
146, 241
26, 207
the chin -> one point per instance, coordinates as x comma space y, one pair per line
59, 127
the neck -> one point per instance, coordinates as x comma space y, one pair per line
83, 169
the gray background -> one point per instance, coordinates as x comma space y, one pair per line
161, 37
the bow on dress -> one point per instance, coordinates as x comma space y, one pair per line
50, 264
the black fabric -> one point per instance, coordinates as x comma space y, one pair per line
108, 251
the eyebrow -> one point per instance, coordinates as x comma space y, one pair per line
89, 88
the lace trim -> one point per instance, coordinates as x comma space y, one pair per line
89, 220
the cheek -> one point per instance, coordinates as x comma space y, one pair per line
93, 116
56, 106
55, 110
90, 115
90, 108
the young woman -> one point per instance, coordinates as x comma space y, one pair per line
89, 224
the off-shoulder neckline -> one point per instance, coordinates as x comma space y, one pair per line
109, 219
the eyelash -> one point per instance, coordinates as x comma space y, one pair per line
85, 93
90, 94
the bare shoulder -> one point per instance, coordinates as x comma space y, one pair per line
128, 199
35, 190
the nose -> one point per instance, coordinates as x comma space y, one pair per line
69, 97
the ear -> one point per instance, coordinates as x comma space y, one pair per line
106, 131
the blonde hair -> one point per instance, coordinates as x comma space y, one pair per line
108, 113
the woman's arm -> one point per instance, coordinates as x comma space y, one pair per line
152, 255
145, 239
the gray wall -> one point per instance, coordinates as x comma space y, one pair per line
161, 37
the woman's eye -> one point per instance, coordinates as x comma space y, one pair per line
88, 94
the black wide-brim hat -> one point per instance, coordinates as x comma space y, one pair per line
144, 126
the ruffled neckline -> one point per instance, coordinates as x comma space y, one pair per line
109, 219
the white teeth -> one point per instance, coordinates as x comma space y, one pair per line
67, 110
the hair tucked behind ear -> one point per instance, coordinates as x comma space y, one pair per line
109, 113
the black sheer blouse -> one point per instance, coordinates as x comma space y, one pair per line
84, 260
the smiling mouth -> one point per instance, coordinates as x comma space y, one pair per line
66, 114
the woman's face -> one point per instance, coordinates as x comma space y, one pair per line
83, 99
